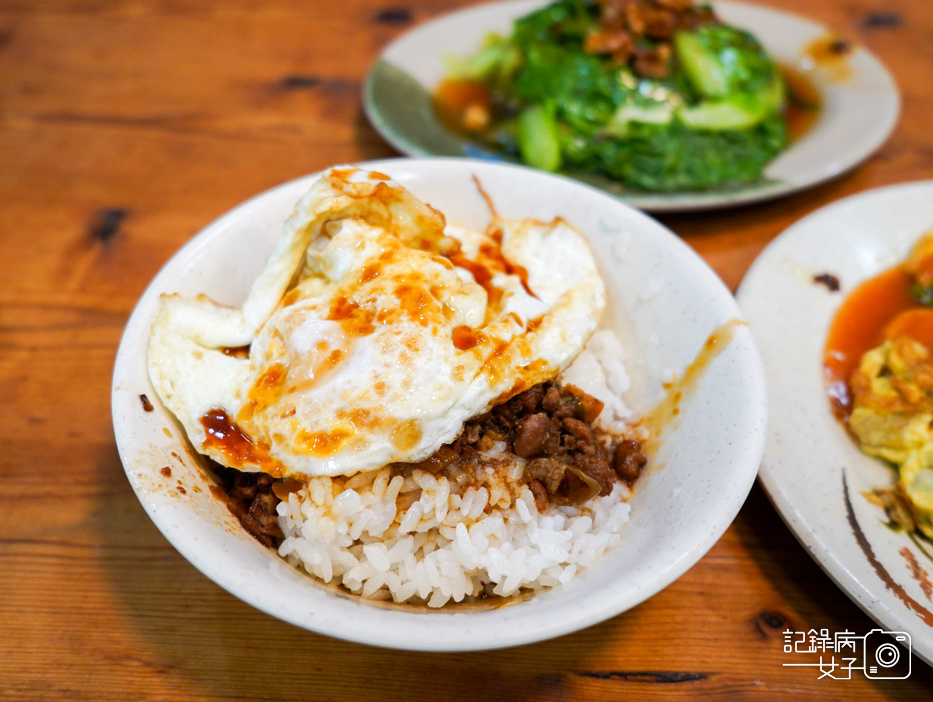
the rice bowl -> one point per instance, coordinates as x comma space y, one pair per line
677, 512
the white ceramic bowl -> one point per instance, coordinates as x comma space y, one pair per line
663, 301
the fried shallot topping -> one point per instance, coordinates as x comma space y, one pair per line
639, 32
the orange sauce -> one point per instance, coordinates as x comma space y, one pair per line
225, 436
415, 301
291, 297
324, 443
343, 173
464, 338
355, 320
459, 103
237, 351
481, 274
517, 270
489, 262
923, 269
362, 418
803, 102
268, 388
264, 393
867, 317
916, 324
831, 54
371, 271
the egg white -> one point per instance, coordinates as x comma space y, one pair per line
374, 331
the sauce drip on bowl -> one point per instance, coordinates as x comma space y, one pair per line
685, 385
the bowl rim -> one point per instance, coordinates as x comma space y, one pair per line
414, 629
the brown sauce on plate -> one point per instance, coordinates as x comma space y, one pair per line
804, 102
466, 107
463, 105
830, 53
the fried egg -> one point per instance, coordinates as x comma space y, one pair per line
373, 332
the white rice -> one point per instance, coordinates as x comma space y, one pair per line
600, 371
423, 539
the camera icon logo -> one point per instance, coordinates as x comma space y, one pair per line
880, 655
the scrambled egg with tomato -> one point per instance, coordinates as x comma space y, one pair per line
892, 403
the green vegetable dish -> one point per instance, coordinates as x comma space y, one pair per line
658, 94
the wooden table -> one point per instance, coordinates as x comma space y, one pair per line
128, 125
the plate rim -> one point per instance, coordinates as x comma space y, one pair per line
874, 600
691, 201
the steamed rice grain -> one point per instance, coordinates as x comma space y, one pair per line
421, 539
354, 540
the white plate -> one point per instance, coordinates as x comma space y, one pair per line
813, 472
858, 114
663, 300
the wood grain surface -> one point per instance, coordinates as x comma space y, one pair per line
128, 125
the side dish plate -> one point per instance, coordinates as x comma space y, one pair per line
860, 103
664, 301
813, 472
